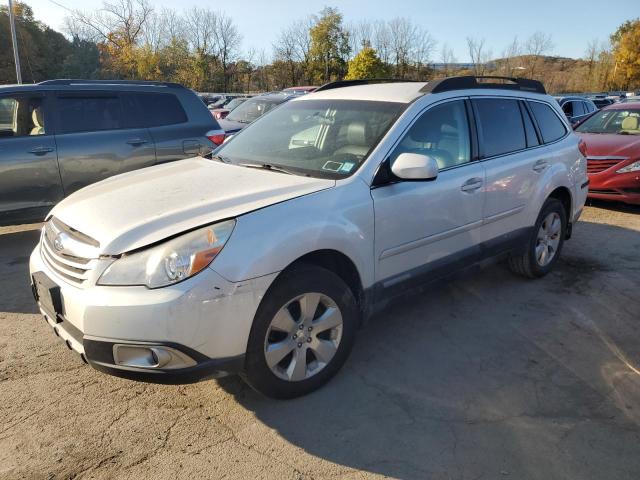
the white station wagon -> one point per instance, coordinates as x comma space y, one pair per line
264, 259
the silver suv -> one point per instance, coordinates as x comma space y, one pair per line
265, 259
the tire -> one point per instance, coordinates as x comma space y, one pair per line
526, 262
289, 299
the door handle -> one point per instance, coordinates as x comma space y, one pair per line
540, 165
136, 141
471, 185
41, 150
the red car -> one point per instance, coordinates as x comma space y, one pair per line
612, 138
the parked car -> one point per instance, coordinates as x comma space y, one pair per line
576, 108
250, 110
265, 259
60, 135
602, 102
612, 138
631, 99
300, 90
222, 112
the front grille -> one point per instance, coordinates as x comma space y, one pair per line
601, 164
72, 259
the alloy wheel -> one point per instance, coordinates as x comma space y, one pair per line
548, 239
303, 337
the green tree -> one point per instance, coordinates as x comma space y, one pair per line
329, 46
365, 64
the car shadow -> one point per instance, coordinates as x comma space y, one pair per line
483, 376
15, 249
612, 205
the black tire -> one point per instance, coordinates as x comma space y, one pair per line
524, 262
289, 285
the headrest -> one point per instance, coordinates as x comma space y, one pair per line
356, 134
630, 123
36, 117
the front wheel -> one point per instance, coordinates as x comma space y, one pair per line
302, 333
545, 243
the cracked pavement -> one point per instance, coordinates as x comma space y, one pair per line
486, 376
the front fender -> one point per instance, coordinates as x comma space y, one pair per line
268, 240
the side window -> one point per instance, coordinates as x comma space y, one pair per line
21, 116
442, 132
160, 109
500, 126
578, 108
590, 107
551, 127
529, 129
567, 108
89, 113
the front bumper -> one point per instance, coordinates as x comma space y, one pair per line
200, 325
622, 187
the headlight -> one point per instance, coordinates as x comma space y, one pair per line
632, 167
171, 261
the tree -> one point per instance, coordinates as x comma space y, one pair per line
626, 52
479, 56
329, 45
536, 46
365, 64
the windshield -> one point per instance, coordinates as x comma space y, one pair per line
254, 108
320, 138
234, 103
622, 122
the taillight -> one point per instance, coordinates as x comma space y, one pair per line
582, 146
216, 137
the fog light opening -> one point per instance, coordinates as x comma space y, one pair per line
151, 357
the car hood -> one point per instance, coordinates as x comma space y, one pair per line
606, 145
142, 207
231, 126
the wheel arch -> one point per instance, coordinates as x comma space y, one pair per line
338, 263
564, 195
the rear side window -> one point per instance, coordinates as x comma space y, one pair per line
87, 114
158, 109
529, 129
499, 126
551, 127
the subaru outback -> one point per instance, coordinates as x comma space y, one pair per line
265, 259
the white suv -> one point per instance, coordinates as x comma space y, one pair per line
264, 259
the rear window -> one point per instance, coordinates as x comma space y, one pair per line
551, 127
500, 126
158, 109
87, 114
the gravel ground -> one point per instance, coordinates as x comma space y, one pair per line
486, 377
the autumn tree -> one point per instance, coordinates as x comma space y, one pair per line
365, 64
626, 52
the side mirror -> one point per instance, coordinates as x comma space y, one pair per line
413, 166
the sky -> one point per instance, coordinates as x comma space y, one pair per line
571, 23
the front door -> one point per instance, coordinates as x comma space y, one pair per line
422, 227
29, 177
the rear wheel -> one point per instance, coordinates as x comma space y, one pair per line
545, 243
302, 333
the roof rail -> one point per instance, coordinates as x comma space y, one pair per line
69, 81
470, 82
364, 81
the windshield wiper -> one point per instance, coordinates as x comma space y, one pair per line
268, 166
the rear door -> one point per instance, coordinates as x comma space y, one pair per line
29, 178
97, 138
507, 140
175, 137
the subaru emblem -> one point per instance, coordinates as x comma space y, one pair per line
57, 243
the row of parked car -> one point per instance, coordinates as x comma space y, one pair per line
609, 126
